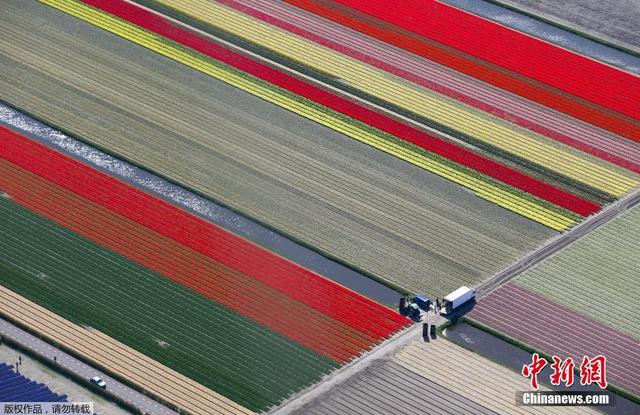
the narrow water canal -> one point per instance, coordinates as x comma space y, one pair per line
203, 207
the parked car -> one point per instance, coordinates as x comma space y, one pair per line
97, 380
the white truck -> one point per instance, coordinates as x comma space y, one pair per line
457, 298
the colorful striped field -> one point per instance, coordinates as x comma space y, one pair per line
437, 109
537, 59
566, 183
160, 381
451, 36
580, 301
224, 291
343, 198
196, 271
446, 81
533, 207
555, 329
415, 143
581, 166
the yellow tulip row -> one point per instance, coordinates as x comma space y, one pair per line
484, 187
510, 138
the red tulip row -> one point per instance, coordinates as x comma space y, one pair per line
600, 94
478, 95
157, 24
369, 319
216, 281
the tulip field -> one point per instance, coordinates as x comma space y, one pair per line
536, 205
397, 221
466, 89
160, 381
582, 299
440, 25
220, 310
438, 110
573, 174
170, 168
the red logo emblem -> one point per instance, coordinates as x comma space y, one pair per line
591, 371
532, 370
562, 371
594, 371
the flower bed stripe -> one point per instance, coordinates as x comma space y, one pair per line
509, 176
158, 380
195, 233
198, 272
383, 56
554, 329
522, 53
546, 95
97, 288
422, 104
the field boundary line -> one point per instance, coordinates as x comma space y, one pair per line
560, 242
380, 353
